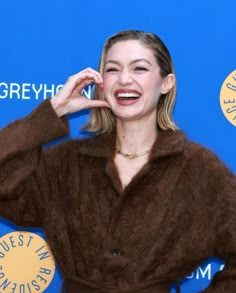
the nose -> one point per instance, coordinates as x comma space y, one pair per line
125, 77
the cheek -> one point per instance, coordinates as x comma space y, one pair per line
147, 82
153, 91
155, 87
108, 82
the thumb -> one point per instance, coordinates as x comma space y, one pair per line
98, 104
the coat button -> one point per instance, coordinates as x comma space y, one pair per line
115, 251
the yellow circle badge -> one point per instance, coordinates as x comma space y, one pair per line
228, 97
26, 263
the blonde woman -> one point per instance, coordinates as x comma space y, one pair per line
135, 208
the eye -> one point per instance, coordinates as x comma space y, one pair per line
140, 68
111, 69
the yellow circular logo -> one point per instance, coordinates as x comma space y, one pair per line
228, 97
26, 263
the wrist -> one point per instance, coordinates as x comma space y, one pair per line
58, 108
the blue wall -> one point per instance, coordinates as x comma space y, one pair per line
44, 42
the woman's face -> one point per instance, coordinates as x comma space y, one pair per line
132, 80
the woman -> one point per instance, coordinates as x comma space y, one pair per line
135, 208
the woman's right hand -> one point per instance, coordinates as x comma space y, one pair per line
69, 99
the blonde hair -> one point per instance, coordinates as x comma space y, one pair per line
102, 120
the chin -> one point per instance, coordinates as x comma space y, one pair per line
128, 118
128, 114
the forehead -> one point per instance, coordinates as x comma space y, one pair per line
130, 50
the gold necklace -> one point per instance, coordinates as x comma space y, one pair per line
132, 155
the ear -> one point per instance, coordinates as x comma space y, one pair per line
168, 83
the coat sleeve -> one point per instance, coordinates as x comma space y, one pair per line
24, 182
223, 213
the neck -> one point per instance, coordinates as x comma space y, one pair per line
134, 137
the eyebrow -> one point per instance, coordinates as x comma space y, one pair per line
132, 62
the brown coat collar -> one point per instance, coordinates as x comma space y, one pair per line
168, 143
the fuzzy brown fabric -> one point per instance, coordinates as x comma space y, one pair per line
179, 210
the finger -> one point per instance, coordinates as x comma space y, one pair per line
89, 73
83, 84
92, 77
97, 104
82, 80
96, 73
76, 83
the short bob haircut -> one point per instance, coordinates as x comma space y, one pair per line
102, 120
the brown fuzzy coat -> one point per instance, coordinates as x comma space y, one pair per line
177, 211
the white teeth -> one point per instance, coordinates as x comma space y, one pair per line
128, 95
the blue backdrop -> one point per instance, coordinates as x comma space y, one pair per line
44, 42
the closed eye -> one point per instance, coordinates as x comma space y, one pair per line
111, 69
140, 68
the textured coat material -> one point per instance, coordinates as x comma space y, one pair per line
179, 210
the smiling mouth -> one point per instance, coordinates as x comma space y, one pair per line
124, 96
127, 95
